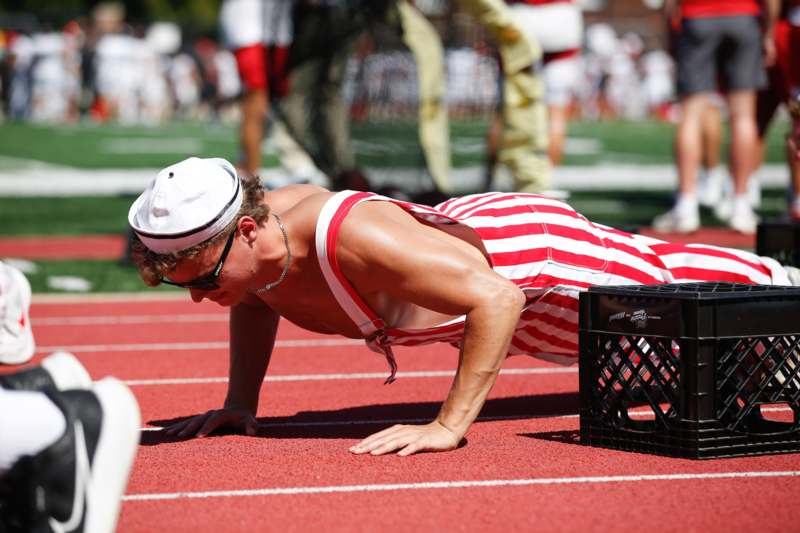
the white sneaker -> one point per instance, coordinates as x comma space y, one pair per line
60, 370
754, 192
743, 219
16, 337
710, 186
677, 221
76, 484
794, 275
723, 209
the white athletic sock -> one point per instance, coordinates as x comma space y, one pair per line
741, 203
29, 423
686, 202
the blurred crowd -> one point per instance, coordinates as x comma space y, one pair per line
101, 68
299, 71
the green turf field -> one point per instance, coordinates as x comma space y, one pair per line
104, 276
378, 145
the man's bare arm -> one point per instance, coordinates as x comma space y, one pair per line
413, 264
253, 326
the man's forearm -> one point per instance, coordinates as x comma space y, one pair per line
487, 334
252, 338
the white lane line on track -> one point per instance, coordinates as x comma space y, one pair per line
433, 485
636, 414
361, 375
333, 423
389, 422
154, 346
127, 319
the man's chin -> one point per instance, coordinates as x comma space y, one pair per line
227, 299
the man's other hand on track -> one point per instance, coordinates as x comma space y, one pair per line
406, 440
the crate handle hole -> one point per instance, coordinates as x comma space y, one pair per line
641, 418
647, 413
776, 412
771, 419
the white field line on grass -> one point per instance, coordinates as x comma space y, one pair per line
68, 181
438, 485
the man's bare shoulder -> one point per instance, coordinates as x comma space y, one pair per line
378, 220
285, 198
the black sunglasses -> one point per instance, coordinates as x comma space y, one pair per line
209, 281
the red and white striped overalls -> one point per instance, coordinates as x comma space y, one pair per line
550, 252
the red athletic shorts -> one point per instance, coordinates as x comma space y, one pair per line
263, 67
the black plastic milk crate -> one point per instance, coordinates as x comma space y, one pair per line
779, 239
695, 370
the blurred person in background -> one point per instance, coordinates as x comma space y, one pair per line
221, 85
134, 79
658, 71
314, 108
55, 76
44, 75
5, 73
523, 143
730, 40
793, 140
601, 46
624, 92
714, 188
186, 82
778, 92
107, 48
161, 41
557, 25
20, 61
229, 86
259, 33
714, 185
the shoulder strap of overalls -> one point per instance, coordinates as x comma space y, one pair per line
327, 234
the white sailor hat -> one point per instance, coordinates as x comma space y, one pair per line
187, 203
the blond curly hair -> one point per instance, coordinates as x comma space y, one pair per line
153, 266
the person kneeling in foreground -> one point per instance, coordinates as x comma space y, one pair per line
494, 274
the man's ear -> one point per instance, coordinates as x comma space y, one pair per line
248, 228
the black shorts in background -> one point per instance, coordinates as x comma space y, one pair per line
727, 50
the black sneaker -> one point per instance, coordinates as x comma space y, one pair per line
76, 484
61, 371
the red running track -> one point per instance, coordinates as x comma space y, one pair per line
50, 247
520, 470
